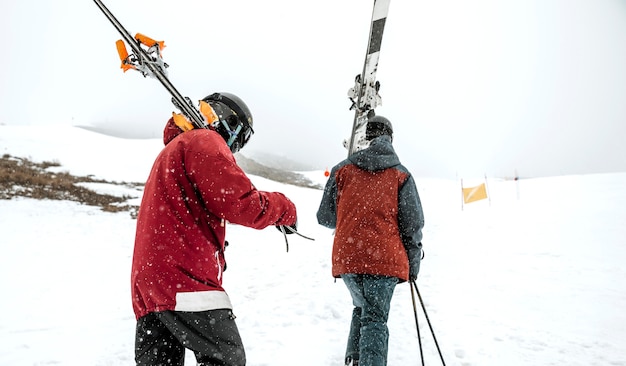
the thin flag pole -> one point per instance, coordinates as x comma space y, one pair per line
517, 184
488, 192
462, 196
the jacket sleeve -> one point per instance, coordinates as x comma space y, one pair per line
411, 222
228, 192
327, 212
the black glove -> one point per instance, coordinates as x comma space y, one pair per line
415, 258
286, 228
414, 269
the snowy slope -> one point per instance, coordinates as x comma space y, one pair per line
533, 276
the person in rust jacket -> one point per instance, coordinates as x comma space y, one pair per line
371, 201
194, 188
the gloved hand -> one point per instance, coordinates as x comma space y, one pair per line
414, 269
285, 228
415, 258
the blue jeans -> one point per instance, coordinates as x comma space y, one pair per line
368, 341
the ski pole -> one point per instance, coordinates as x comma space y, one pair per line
428, 320
282, 229
292, 230
419, 338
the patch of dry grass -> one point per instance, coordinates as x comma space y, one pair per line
22, 177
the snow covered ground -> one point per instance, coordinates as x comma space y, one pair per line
533, 276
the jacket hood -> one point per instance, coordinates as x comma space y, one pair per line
170, 131
378, 156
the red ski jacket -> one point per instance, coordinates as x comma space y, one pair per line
194, 188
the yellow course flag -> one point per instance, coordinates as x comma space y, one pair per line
475, 193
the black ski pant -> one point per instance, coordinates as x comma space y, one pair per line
161, 338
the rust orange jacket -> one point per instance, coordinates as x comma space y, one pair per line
371, 201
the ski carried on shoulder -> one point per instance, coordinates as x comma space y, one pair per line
146, 58
364, 95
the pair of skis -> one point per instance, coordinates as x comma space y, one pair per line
146, 58
364, 95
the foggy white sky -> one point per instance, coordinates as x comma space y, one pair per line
472, 87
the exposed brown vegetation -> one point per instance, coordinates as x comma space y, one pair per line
22, 177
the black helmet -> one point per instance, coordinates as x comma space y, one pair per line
378, 126
234, 122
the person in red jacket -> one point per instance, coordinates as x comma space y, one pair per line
194, 188
371, 201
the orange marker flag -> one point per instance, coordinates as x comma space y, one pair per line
477, 193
